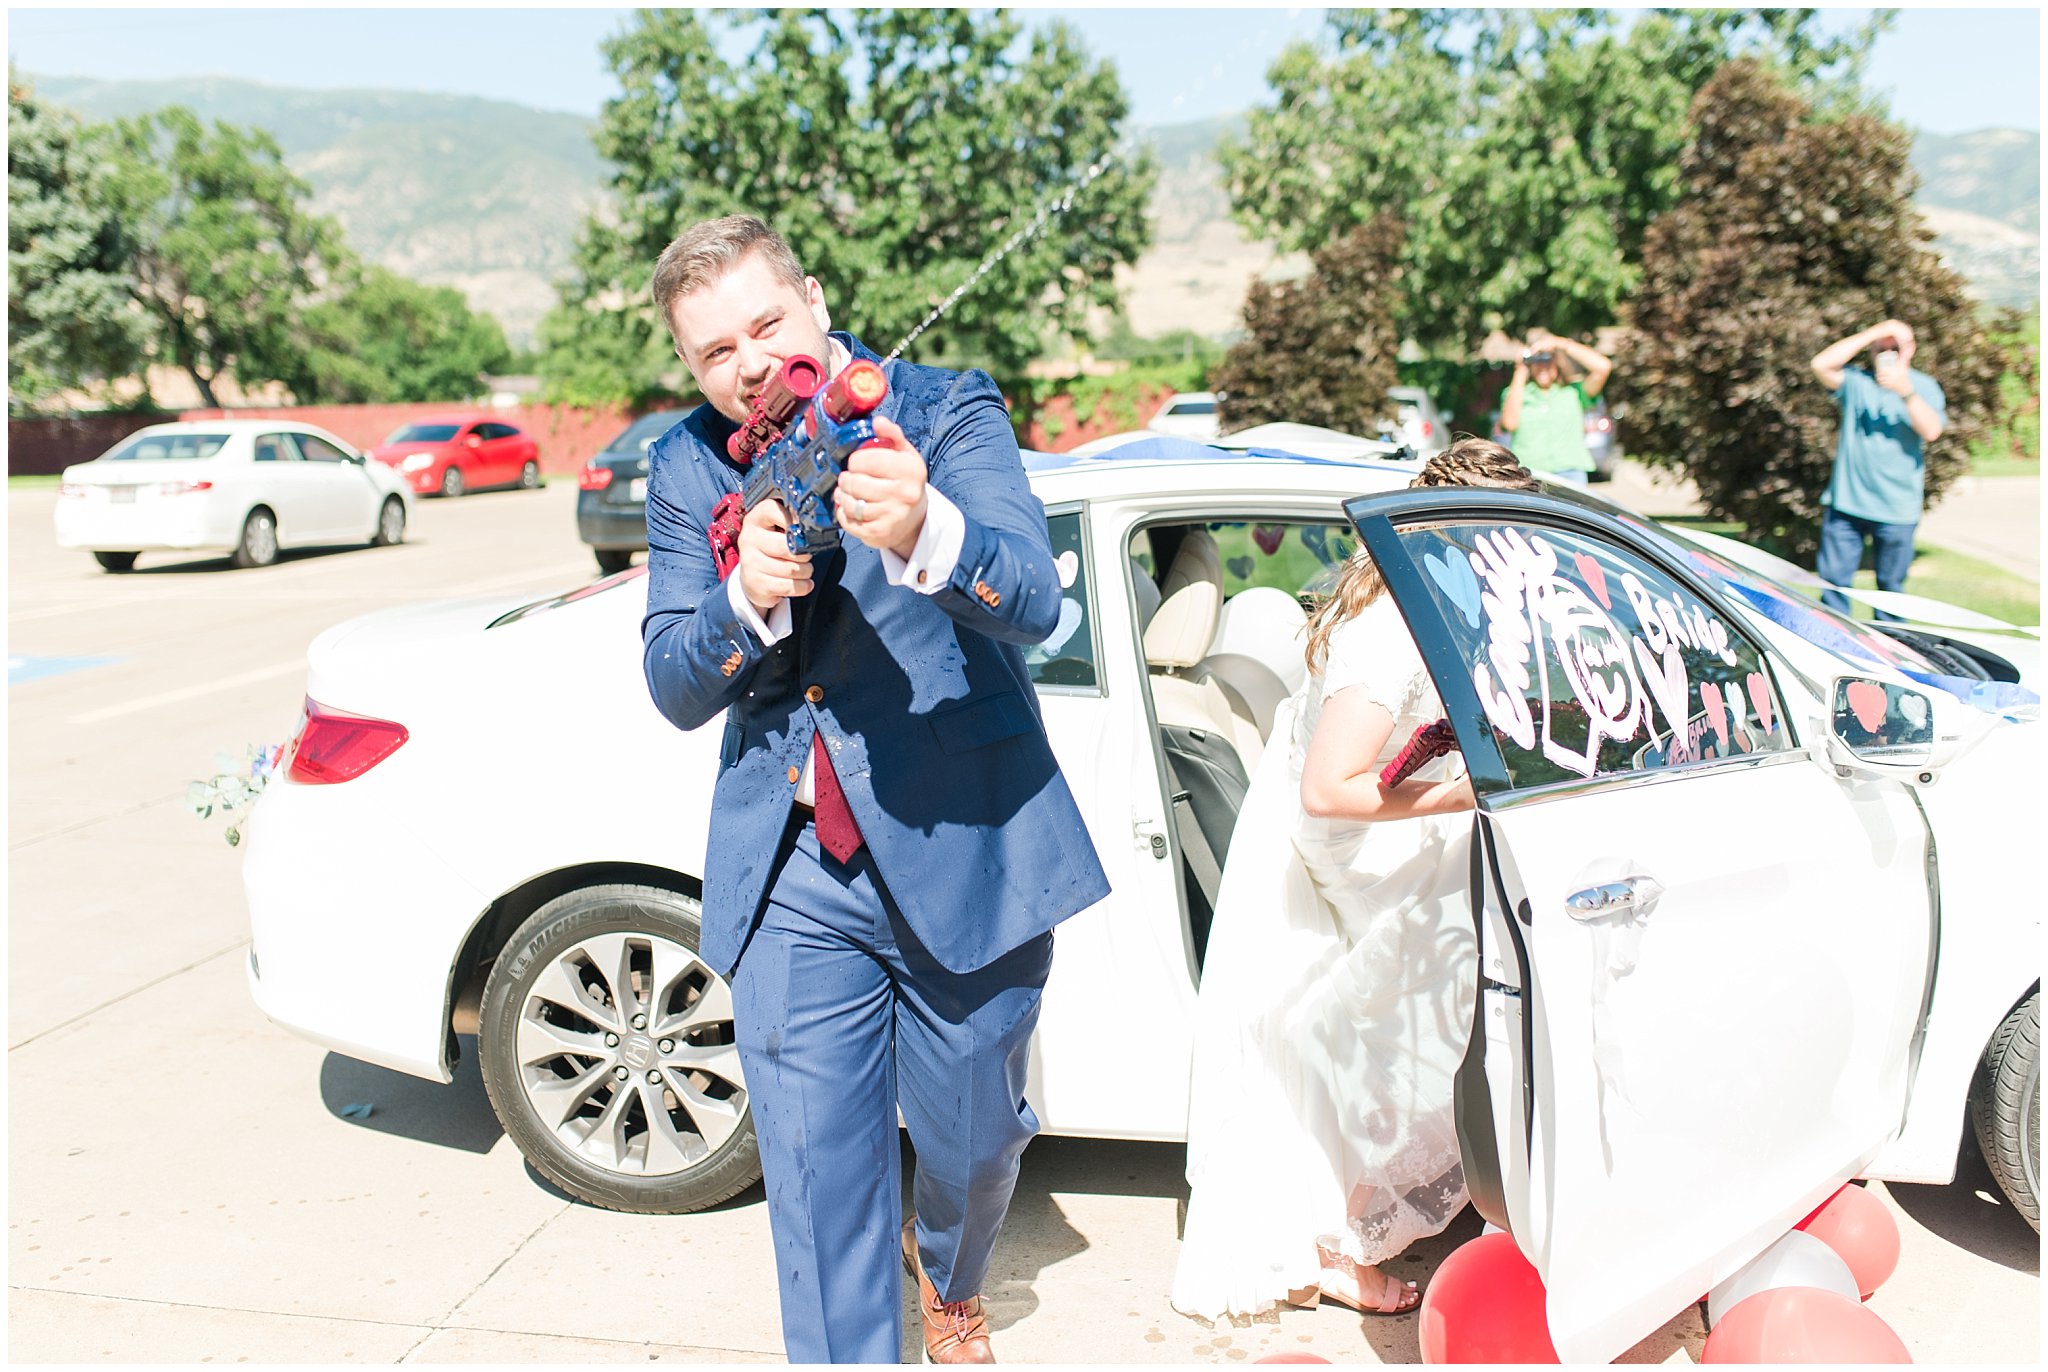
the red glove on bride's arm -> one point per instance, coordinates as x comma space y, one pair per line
1427, 744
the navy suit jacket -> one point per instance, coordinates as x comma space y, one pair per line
924, 701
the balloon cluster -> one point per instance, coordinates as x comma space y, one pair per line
1799, 1301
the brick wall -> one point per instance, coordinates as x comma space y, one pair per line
44, 447
566, 435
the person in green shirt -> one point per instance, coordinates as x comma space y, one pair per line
1545, 414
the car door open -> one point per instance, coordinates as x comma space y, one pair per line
1699, 1003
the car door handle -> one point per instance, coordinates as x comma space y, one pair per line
1608, 897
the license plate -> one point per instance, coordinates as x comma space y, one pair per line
637, 489
121, 495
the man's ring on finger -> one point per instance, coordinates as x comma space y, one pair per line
859, 511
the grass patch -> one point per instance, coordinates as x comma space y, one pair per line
32, 483
2005, 466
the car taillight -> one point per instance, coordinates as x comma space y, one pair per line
1427, 428
334, 745
594, 478
71, 490
182, 487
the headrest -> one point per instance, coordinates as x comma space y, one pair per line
1147, 592
1191, 599
1264, 623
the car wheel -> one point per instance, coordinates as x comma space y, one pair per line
2006, 1108
116, 562
258, 544
451, 482
607, 1048
390, 524
529, 477
612, 561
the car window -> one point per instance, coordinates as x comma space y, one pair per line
167, 447
274, 448
422, 433
320, 450
1180, 407
641, 432
1067, 656
498, 431
1300, 559
1589, 659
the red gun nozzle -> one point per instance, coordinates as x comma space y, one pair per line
857, 391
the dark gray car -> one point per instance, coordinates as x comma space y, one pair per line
611, 508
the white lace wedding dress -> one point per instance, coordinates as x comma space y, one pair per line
1335, 1002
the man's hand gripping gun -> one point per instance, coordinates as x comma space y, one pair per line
802, 467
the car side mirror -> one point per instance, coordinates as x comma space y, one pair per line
475, 441
1881, 728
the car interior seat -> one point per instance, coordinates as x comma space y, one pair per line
1209, 739
1256, 655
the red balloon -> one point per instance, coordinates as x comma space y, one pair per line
1823, 1205
1485, 1304
1802, 1324
1856, 1225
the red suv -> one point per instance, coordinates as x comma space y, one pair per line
455, 455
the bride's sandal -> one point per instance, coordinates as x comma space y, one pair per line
1340, 1285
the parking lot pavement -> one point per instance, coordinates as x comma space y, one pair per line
185, 1185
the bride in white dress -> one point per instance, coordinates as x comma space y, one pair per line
1337, 987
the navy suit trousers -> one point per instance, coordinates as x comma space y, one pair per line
843, 1017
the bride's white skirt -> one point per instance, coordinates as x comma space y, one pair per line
1335, 1003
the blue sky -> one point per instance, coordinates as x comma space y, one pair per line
1944, 70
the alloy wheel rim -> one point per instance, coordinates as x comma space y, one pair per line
626, 1054
394, 521
262, 538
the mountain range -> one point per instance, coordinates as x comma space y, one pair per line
488, 195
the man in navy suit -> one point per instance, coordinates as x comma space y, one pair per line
891, 839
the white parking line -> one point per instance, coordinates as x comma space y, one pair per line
130, 707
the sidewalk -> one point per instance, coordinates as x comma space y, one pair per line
1994, 518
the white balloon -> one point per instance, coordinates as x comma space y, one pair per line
1797, 1259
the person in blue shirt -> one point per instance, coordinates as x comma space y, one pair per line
1889, 413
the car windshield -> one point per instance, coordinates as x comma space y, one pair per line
423, 433
162, 447
642, 432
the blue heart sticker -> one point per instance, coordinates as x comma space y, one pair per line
1458, 581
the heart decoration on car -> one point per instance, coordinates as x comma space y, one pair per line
1595, 578
1458, 581
1316, 539
1269, 537
1069, 567
1760, 697
1070, 620
1716, 712
1241, 568
1866, 699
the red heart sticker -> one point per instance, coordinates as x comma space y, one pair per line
1595, 578
1716, 712
1866, 699
1760, 697
1268, 537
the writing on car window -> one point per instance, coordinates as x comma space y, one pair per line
1588, 659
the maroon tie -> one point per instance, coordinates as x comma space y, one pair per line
836, 829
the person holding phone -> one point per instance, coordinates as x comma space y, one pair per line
1889, 414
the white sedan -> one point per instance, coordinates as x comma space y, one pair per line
243, 486
1721, 972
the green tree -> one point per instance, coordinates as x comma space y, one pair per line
387, 338
1790, 231
224, 257
893, 148
1527, 151
68, 319
1320, 350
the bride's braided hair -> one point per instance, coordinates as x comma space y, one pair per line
1467, 462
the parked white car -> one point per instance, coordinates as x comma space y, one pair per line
249, 487
1721, 972
1187, 414
1417, 421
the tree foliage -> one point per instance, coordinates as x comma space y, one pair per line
224, 257
1527, 151
387, 338
68, 321
1789, 232
1320, 350
893, 148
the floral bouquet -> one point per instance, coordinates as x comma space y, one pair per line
234, 786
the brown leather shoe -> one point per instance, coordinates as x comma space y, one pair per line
954, 1331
